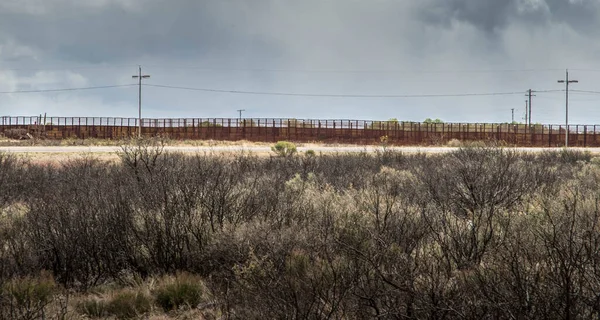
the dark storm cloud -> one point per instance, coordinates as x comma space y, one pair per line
488, 15
582, 15
112, 32
259, 31
492, 16
392, 36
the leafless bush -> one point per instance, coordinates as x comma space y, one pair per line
142, 154
12, 178
476, 233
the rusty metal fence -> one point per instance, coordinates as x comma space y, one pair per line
333, 131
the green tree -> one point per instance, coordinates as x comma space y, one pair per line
429, 120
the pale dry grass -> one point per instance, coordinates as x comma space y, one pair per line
5, 142
58, 158
207, 309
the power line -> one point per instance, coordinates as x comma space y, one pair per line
68, 68
276, 70
67, 89
343, 95
586, 91
589, 70
549, 91
359, 71
571, 94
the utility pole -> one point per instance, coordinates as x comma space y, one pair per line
566, 82
513, 115
526, 109
240, 111
140, 77
529, 94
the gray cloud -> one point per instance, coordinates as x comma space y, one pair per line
487, 15
492, 16
430, 37
112, 32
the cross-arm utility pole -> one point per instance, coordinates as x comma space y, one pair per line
529, 94
526, 108
566, 82
139, 76
240, 111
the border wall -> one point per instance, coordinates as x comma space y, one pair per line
298, 130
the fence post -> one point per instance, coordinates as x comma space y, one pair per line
267, 130
542, 135
335, 132
442, 137
531, 135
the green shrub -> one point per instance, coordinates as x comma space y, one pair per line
93, 308
284, 148
184, 291
310, 153
384, 140
125, 304
129, 304
28, 297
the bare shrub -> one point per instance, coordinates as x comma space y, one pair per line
80, 225
472, 193
12, 178
142, 154
570, 156
476, 233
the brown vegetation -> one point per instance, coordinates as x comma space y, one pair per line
473, 234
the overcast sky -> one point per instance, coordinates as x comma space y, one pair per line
329, 47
